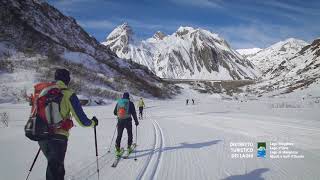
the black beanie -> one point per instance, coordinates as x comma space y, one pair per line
125, 95
62, 75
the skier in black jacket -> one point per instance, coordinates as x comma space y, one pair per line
124, 110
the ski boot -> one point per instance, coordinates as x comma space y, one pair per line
130, 149
118, 152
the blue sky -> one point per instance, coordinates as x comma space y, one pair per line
243, 23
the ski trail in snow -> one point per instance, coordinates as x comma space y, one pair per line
89, 170
151, 166
154, 172
144, 169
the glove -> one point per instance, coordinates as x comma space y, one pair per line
95, 121
136, 123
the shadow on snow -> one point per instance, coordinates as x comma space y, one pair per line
183, 145
253, 175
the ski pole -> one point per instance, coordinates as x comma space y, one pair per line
95, 141
34, 161
135, 152
114, 132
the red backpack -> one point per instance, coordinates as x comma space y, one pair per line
123, 109
45, 112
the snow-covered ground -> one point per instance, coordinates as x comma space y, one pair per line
176, 141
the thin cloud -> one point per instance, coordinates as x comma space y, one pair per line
141, 25
97, 24
68, 6
258, 35
68, 2
199, 3
253, 11
291, 7
77, 6
246, 36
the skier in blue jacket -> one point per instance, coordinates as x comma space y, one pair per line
124, 110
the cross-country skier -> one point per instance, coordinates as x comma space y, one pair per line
124, 110
55, 148
187, 101
192, 101
141, 105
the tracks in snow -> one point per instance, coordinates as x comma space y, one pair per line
151, 166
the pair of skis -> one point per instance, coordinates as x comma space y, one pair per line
122, 151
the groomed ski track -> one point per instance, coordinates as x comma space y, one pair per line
149, 170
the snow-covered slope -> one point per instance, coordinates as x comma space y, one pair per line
187, 53
248, 52
272, 56
297, 72
199, 54
38, 38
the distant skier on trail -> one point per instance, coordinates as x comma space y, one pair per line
124, 110
187, 101
141, 105
192, 101
55, 146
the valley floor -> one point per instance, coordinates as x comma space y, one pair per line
178, 141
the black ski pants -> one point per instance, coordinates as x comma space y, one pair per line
124, 124
55, 151
140, 111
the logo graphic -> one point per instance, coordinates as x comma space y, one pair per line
261, 149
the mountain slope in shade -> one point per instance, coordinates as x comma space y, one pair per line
36, 37
274, 55
187, 53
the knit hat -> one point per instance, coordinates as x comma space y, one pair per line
125, 95
62, 75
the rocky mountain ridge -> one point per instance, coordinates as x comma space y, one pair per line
187, 53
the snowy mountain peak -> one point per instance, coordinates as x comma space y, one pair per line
159, 35
290, 43
185, 28
201, 34
294, 40
122, 30
119, 39
248, 52
183, 31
